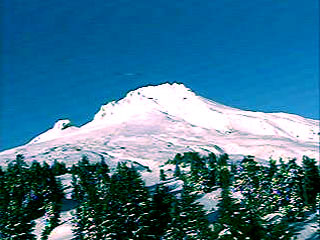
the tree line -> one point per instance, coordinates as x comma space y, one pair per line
27, 193
256, 201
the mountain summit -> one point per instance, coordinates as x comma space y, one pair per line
174, 100
155, 122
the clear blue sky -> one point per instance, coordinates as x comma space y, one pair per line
63, 59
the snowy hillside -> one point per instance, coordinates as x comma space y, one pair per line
155, 122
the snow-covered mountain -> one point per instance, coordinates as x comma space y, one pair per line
153, 123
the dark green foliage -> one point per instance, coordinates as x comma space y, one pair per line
212, 173
162, 175
230, 222
272, 169
16, 220
225, 179
89, 183
177, 171
289, 181
124, 209
311, 181
59, 168
206, 172
188, 219
239, 218
223, 160
160, 211
25, 194
110, 208
53, 195
256, 202
197, 164
51, 217
129, 202
255, 215
212, 160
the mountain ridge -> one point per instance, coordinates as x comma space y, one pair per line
173, 114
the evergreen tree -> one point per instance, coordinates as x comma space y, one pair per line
177, 171
225, 178
272, 169
24, 193
127, 206
223, 160
16, 220
59, 168
162, 175
311, 181
212, 160
222, 165
87, 225
177, 159
230, 222
248, 181
270, 197
249, 184
212, 177
188, 220
159, 213
198, 166
52, 216
237, 219
294, 205
53, 193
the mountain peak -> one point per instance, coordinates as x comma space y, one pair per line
168, 98
173, 100
164, 90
